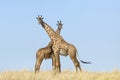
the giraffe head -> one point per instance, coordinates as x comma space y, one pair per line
59, 24
40, 20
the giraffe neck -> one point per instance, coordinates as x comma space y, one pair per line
51, 33
50, 44
58, 30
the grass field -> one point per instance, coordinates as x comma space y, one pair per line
64, 75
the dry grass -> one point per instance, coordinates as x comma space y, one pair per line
65, 75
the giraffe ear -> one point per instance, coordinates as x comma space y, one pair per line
57, 23
36, 17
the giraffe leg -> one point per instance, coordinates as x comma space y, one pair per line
76, 63
37, 64
57, 62
79, 67
53, 62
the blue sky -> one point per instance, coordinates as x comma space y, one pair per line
93, 26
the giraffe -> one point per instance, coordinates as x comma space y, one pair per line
46, 52
60, 46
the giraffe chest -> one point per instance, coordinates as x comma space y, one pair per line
61, 46
63, 52
63, 49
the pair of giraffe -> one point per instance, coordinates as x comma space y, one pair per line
57, 46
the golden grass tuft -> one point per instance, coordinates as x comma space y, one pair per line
64, 75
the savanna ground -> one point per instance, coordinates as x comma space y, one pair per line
64, 75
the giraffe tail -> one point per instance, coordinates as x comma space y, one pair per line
84, 62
